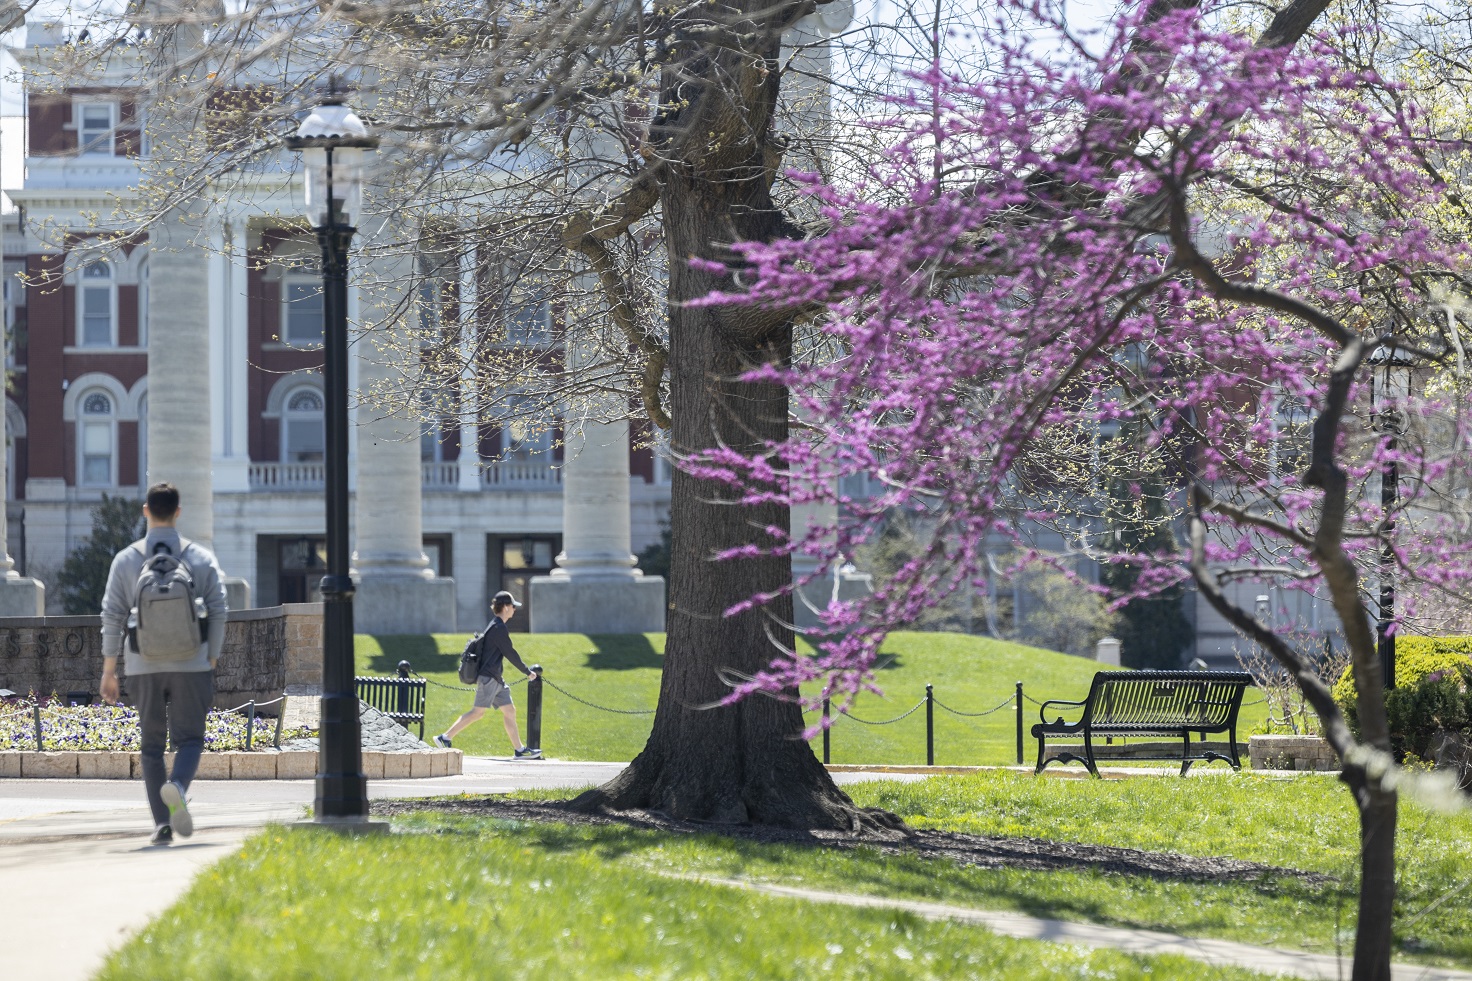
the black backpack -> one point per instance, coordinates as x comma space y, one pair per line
470, 660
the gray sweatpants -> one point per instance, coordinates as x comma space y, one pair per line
171, 704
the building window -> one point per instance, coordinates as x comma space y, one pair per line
96, 122
301, 309
528, 320
303, 439
143, 304
96, 436
95, 304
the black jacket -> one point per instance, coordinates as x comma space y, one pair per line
495, 644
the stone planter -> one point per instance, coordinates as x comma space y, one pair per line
227, 765
104, 766
1291, 753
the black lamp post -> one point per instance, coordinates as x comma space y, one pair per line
333, 142
1390, 390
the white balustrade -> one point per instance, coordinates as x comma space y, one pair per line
521, 474
287, 476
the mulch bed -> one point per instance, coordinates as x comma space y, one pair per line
976, 850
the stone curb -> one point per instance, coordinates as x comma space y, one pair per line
231, 765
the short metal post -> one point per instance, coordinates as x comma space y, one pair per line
280, 718
1019, 723
403, 701
250, 723
826, 755
36, 717
534, 708
930, 725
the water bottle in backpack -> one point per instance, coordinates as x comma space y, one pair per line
168, 621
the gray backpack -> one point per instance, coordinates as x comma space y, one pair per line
168, 622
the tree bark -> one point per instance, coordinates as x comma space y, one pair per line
745, 762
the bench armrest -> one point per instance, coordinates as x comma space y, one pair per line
1043, 708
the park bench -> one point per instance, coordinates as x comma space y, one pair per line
400, 698
1155, 704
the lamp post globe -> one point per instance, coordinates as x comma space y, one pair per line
1390, 391
334, 143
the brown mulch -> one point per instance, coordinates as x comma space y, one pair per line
975, 850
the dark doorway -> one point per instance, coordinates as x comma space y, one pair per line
300, 566
512, 561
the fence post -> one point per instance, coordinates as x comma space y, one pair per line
280, 717
36, 718
534, 708
930, 725
250, 723
403, 700
825, 732
1019, 723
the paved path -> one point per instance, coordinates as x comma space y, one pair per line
77, 876
1218, 953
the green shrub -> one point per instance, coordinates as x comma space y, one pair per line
1439, 702
117, 522
1417, 707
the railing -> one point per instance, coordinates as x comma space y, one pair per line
505, 475
287, 476
441, 474
521, 474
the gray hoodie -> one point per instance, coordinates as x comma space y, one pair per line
121, 596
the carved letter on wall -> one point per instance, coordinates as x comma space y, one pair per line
74, 642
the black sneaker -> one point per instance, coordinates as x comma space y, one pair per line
179, 817
162, 835
442, 741
529, 753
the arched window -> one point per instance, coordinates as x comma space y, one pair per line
143, 305
96, 437
95, 305
303, 439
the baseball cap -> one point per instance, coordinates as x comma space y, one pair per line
503, 597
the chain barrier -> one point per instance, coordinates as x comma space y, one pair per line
1028, 698
1010, 700
887, 722
602, 708
441, 684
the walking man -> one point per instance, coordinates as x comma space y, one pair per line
164, 611
490, 689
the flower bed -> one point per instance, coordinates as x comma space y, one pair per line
114, 728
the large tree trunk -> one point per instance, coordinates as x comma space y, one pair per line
745, 762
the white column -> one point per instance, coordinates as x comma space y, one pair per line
229, 358
179, 372
397, 591
19, 596
595, 587
469, 461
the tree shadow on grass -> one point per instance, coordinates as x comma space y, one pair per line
622, 652
420, 650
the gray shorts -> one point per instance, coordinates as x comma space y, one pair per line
491, 693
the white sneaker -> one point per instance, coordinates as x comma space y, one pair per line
179, 817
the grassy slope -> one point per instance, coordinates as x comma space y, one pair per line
1304, 823
970, 674
498, 900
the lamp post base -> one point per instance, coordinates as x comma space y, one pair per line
347, 825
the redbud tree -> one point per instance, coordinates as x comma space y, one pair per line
1156, 256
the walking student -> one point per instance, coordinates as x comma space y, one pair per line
490, 689
164, 613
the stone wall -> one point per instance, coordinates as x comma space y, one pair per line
264, 650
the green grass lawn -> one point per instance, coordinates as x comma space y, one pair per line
449, 893
970, 674
455, 898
